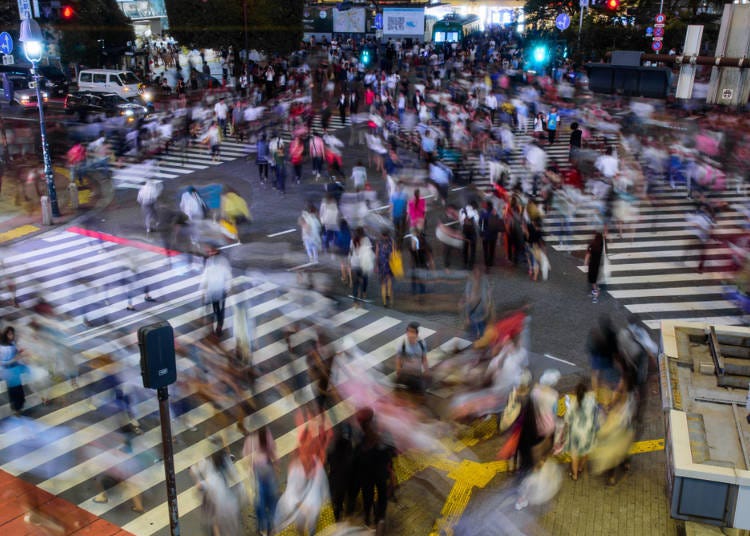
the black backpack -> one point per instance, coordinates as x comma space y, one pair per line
468, 228
495, 224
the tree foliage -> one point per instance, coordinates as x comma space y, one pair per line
272, 25
96, 24
601, 32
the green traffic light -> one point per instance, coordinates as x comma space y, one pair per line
540, 54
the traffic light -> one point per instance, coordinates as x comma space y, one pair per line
364, 57
67, 12
613, 5
540, 54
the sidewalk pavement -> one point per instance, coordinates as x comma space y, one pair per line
27, 509
20, 210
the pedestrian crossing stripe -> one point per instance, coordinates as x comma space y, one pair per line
273, 307
654, 264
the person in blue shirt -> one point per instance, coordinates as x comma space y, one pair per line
12, 369
428, 145
398, 212
553, 120
262, 157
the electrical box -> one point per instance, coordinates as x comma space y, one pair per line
158, 364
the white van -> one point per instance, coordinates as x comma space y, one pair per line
124, 83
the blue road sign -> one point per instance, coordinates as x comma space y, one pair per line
562, 21
6, 43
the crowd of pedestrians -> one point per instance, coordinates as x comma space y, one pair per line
425, 115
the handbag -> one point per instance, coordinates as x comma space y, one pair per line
396, 264
509, 448
605, 271
511, 412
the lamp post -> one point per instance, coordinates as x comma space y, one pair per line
33, 45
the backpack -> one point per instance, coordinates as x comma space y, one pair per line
495, 224
468, 228
421, 344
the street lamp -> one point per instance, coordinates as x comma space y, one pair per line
33, 46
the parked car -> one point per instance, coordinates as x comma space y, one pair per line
17, 87
56, 83
89, 106
124, 83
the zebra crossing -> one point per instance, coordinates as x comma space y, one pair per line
183, 160
654, 263
67, 443
478, 166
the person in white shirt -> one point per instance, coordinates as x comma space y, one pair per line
221, 110
147, 197
359, 176
490, 101
216, 284
607, 164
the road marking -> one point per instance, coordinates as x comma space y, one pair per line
18, 232
549, 356
273, 235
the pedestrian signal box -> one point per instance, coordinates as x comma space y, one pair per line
158, 365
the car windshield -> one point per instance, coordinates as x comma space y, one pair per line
129, 78
113, 100
19, 81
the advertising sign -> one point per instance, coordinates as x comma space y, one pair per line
317, 21
403, 22
349, 21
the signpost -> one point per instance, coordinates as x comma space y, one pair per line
658, 33
6, 43
562, 21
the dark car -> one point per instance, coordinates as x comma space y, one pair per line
56, 83
89, 106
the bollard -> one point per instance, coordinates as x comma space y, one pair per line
46, 211
73, 193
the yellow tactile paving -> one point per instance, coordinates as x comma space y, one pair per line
18, 232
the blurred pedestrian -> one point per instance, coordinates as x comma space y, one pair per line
311, 233
412, 369
260, 448
362, 263
216, 284
262, 158
416, 209
372, 458
595, 253
148, 196
12, 369
384, 249
581, 424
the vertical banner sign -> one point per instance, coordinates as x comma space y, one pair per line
24, 9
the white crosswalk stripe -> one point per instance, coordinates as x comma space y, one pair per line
62, 450
654, 265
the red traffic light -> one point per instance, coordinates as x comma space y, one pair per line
67, 12
613, 4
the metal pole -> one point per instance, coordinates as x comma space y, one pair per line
583, 5
166, 442
244, 29
48, 172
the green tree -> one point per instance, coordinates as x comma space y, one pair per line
272, 25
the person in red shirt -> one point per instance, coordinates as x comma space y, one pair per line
296, 157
